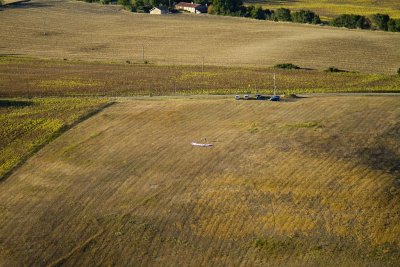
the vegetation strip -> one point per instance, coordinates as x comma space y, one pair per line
24, 78
19, 144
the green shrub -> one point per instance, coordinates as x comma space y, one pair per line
246, 11
352, 22
394, 25
258, 13
306, 16
125, 3
287, 66
282, 14
334, 69
398, 71
381, 21
226, 7
269, 14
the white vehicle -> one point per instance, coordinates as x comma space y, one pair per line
237, 97
246, 97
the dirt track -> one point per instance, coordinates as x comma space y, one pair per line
313, 181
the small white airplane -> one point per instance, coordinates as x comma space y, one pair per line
199, 144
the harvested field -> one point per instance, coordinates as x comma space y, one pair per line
32, 77
76, 30
312, 181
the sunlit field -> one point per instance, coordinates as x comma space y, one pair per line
304, 182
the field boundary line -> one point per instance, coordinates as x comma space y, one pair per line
53, 137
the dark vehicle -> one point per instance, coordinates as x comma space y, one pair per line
261, 97
275, 98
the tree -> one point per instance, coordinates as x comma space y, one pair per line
202, 2
381, 21
398, 71
306, 16
258, 13
124, 3
247, 11
152, 3
394, 25
351, 21
282, 14
269, 14
227, 6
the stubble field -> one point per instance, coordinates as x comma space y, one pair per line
76, 30
306, 182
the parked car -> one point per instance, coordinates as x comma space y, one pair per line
261, 97
246, 97
275, 98
237, 97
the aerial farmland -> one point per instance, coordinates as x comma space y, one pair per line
133, 139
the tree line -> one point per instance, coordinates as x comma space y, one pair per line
377, 21
236, 8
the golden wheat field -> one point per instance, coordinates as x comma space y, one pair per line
77, 30
308, 181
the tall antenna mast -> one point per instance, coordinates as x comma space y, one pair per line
274, 84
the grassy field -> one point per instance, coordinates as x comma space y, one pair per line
312, 181
332, 8
29, 124
30, 77
304, 182
77, 30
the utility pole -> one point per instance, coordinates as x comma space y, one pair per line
44, 26
143, 53
174, 86
274, 84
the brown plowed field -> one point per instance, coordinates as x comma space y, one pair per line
77, 30
312, 181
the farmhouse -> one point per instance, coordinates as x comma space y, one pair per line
159, 10
191, 7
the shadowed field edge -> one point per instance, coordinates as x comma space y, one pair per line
56, 134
